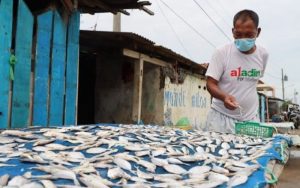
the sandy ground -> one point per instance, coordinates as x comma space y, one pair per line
290, 177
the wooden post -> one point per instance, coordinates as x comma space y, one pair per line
137, 90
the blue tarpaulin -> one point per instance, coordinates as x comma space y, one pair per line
257, 179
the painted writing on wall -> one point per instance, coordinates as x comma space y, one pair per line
187, 102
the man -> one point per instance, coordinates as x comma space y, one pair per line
233, 74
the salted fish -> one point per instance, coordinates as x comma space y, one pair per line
217, 177
32, 185
97, 150
146, 176
93, 181
175, 169
48, 184
198, 170
18, 181
237, 179
117, 172
4, 180
149, 166
122, 163
159, 161
59, 172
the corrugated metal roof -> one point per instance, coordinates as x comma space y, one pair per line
114, 6
90, 6
92, 41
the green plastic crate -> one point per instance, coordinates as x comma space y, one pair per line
254, 129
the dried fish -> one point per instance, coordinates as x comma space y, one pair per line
48, 184
225, 145
59, 172
93, 181
149, 166
236, 180
172, 160
199, 170
175, 169
192, 158
142, 153
18, 181
219, 169
4, 180
32, 185
159, 161
217, 177
146, 176
96, 150
158, 151
117, 172
209, 184
122, 163
60, 147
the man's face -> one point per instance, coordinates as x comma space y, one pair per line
245, 29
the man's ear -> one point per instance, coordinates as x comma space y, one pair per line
258, 32
232, 30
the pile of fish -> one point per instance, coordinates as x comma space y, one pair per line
127, 156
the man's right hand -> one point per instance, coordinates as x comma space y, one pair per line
213, 88
230, 102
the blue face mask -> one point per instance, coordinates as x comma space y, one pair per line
244, 44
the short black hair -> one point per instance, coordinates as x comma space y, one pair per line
246, 14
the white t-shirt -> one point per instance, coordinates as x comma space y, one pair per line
237, 75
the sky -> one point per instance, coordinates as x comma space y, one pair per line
279, 20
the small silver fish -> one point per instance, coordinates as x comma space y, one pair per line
149, 166
117, 172
198, 170
159, 162
4, 180
32, 185
122, 163
174, 169
236, 180
217, 177
146, 176
48, 184
18, 181
97, 150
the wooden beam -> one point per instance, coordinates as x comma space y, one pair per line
102, 5
137, 90
150, 12
137, 55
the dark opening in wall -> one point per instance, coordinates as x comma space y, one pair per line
86, 91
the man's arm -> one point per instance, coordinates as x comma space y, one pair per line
216, 92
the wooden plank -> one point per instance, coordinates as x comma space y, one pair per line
6, 19
57, 88
137, 90
72, 69
137, 55
42, 65
21, 85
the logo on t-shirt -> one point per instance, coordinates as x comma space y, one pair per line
239, 72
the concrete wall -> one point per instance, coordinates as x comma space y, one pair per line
166, 106
114, 89
189, 100
152, 96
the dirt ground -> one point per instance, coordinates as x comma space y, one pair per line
290, 177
